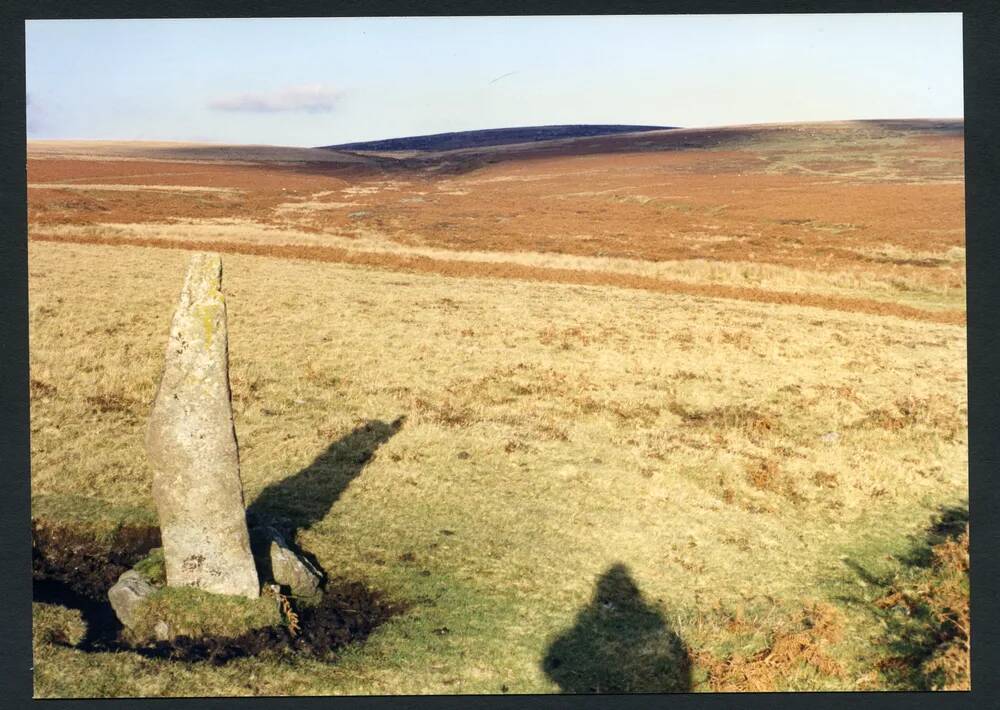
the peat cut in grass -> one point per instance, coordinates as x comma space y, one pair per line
86, 563
74, 571
347, 613
103, 627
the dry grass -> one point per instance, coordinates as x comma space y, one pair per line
605, 414
767, 207
797, 648
918, 287
179, 151
510, 270
127, 188
553, 430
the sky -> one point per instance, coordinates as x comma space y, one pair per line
311, 82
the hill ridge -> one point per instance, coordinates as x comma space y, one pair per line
481, 138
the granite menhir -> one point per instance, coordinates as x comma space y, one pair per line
191, 443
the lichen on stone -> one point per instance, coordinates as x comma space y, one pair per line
208, 314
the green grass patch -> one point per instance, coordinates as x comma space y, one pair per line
907, 601
54, 624
153, 567
196, 613
102, 519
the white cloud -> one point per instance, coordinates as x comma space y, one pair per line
310, 98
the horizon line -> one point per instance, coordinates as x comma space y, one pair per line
649, 127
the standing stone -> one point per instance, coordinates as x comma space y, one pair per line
191, 443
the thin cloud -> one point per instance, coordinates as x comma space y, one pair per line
311, 98
510, 73
34, 116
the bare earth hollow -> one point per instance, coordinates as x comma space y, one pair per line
677, 401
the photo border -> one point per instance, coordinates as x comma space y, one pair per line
981, 29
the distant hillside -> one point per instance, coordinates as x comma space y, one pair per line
491, 137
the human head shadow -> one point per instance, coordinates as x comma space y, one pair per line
619, 644
303, 499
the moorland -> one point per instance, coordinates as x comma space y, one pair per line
652, 411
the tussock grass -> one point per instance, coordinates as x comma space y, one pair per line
551, 433
196, 614
55, 625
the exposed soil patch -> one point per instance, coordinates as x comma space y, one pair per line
348, 613
86, 565
74, 570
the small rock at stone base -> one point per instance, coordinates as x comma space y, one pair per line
127, 594
287, 568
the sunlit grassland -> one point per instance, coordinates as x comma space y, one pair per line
734, 456
895, 275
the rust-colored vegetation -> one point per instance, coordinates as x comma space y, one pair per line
790, 197
604, 349
797, 645
926, 615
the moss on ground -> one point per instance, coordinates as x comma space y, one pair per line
196, 613
153, 567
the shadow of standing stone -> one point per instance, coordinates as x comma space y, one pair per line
306, 497
299, 501
619, 644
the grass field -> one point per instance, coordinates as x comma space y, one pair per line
668, 412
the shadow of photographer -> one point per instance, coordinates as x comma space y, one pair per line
619, 644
